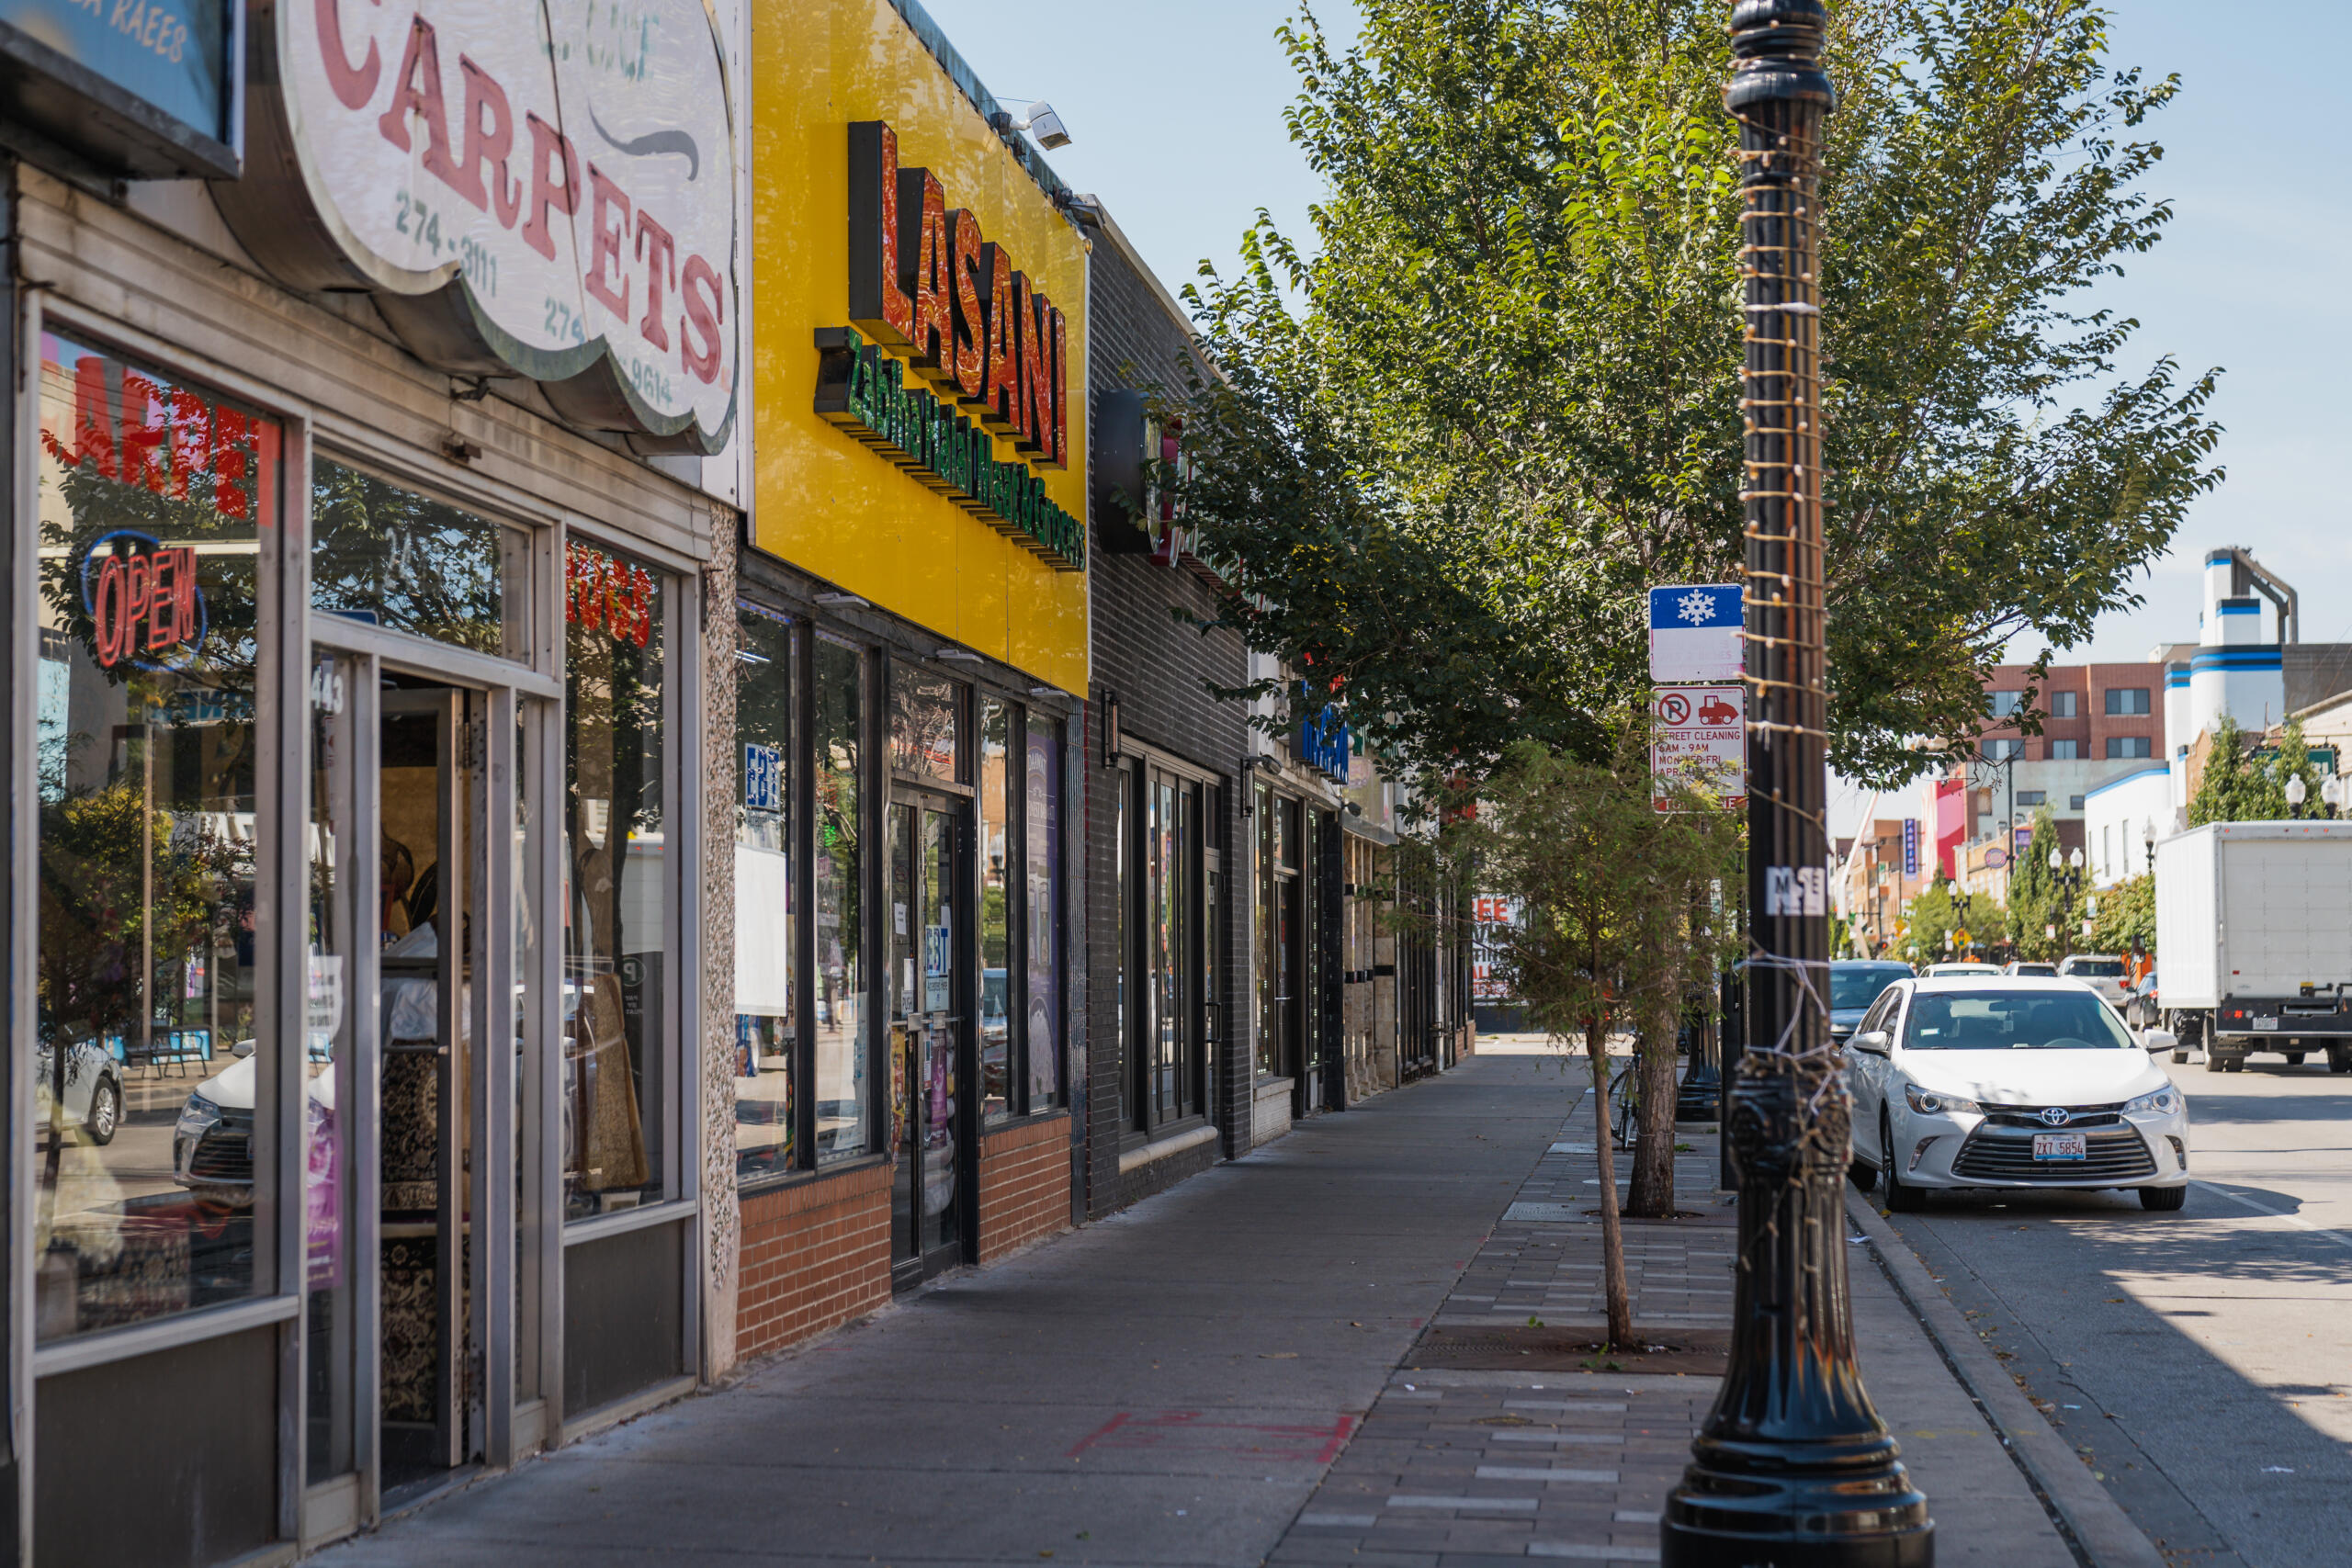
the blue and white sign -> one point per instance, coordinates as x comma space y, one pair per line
1695, 634
1910, 846
762, 778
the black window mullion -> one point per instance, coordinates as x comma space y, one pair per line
802, 760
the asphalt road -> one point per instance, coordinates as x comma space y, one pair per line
2201, 1361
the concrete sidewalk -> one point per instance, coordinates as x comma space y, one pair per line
1174, 1385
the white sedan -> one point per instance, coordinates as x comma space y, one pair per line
2010, 1082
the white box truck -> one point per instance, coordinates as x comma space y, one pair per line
2254, 940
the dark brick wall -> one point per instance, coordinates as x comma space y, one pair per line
1161, 671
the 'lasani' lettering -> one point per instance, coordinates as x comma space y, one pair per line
923, 278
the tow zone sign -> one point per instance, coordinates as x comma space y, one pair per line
1700, 740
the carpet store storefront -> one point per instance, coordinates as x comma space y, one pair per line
910, 679
374, 445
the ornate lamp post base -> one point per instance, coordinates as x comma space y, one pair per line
1794, 1469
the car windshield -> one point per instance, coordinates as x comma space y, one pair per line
2011, 1020
1857, 985
2109, 968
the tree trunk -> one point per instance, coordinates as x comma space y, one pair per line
1612, 1239
1652, 1196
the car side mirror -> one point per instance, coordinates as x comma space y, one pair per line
242, 1049
2160, 1040
1873, 1041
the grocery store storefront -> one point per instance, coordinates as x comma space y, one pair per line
910, 675
356, 658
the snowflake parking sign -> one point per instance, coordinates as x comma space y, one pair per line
1695, 634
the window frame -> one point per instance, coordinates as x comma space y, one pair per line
281, 783
2126, 709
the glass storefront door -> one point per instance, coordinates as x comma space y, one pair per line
929, 1007
421, 1004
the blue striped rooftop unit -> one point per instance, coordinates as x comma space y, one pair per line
2235, 672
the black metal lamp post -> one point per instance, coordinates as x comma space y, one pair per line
1793, 1467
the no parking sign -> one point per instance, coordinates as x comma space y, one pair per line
1700, 742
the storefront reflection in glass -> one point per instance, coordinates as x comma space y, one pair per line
923, 714
616, 873
389, 557
996, 931
149, 1063
840, 753
766, 1035
1041, 848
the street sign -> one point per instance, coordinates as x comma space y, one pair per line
1700, 740
1996, 859
1695, 633
1910, 846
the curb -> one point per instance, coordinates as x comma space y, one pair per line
2095, 1524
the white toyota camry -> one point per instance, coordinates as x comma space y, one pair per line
2010, 1082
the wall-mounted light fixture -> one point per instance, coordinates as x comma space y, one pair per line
1040, 121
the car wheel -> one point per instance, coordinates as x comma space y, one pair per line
2339, 1061
1902, 1198
2216, 1062
105, 1112
2164, 1200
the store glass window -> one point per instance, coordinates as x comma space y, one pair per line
766, 1021
924, 729
393, 558
838, 753
1264, 818
998, 1087
149, 1104
619, 877
1042, 851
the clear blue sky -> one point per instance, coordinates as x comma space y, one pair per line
1176, 114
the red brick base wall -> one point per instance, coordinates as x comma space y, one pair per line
815, 1253
1025, 1185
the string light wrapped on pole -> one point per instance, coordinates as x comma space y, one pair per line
1793, 1467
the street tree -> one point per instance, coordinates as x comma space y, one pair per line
1937, 917
1496, 399
2245, 781
2127, 912
2034, 893
1626, 911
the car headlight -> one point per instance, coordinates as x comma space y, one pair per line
2164, 1102
198, 1117
1929, 1103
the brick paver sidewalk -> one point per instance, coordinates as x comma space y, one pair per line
1457, 1468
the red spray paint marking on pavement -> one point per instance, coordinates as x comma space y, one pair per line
1185, 1431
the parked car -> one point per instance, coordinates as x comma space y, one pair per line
212, 1145
2030, 970
92, 1097
1854, 985
2102, 971
2012, 1083
1961, 966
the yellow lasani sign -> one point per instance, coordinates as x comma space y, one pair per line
918, 343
